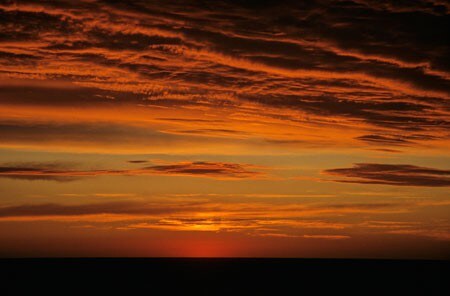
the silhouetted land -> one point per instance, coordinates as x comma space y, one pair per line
223, 276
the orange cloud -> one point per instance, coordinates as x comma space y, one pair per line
217, 170
393, 174
139, 56
279, 220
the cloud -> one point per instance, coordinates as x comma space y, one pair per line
384, 140
305, 221
332, 237
250, 218
216, 170
84, 134
210, 132
443, 235
392, 174
114, 208
212, 169
307, 236
184, 212
437, 229
323, 63
395, 140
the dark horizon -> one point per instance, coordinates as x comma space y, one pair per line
225, 276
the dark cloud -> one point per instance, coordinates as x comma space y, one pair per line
387, 150
395, 140
211, 132
36, 171
386, 114
244, 212
137, 161
189, 120
219, 170
66, 94
392, 174
132, 208
82, 134
381, 62
202, 168
384, 140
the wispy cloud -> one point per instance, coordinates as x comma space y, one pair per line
217, 170
279, 66
392, 174
208, 169
309, 221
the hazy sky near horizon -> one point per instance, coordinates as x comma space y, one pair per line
225, 128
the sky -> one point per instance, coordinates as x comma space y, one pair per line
226, 128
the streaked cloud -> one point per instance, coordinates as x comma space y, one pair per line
280, 67
394, 140
392, 174
278, 213
201, 168
308, 221
217, 170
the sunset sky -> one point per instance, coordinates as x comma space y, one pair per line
225, 128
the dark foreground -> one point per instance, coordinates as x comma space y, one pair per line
223, 276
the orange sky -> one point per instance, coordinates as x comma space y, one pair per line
231, 128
